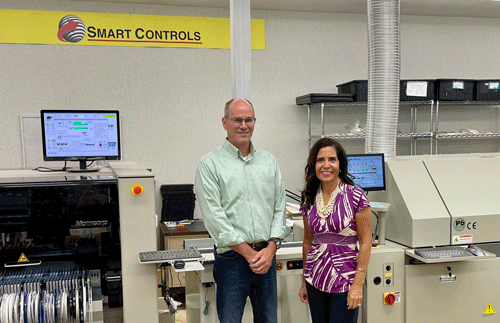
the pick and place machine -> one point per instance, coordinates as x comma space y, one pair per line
70, 240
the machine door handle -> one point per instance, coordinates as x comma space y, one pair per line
448, 278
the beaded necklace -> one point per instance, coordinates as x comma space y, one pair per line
325, 210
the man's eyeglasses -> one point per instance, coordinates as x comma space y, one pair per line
239, 121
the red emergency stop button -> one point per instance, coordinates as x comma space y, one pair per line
137, 189
389, 298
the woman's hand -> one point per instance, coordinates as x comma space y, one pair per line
303, 293
354, 297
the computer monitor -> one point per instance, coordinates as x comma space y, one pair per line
80, 135
367, 171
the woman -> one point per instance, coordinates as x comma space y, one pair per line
336, 216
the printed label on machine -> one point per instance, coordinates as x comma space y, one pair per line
462, 239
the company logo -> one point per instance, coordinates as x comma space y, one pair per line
459, 224
71, 29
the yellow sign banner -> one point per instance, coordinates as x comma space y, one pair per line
102, 29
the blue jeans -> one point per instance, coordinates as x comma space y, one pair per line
329, 307
236, 281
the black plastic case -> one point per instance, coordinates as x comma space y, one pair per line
487, 90
455, 90
358, 88
322, 98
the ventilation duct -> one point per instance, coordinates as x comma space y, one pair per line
384, 65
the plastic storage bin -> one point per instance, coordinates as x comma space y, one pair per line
417, 90
322, 98
358, 88
178, 202
455, 90
487, 90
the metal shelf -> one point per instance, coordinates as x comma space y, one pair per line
467, 136
364, 104
412, 135
433, 135
450, 136
466, 103
424, 135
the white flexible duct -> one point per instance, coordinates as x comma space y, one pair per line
384, 64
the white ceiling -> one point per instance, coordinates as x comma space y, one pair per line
452, 8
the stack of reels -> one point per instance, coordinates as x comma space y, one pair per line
178, 202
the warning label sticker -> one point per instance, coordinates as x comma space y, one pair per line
23, 258
489, 310
462, 239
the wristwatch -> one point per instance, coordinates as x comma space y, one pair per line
276, 241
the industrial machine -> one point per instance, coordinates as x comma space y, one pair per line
70, 239
436, 203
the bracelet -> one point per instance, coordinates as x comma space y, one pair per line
361, 271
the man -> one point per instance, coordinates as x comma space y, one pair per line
242, 201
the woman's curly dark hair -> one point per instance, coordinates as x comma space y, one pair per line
312, 182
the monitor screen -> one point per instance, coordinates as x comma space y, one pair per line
72, 135
367, 170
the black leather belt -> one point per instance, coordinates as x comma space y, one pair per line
258, 246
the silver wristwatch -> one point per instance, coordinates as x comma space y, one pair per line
277, 241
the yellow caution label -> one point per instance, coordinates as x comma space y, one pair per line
23, 258
456, 240
489, 309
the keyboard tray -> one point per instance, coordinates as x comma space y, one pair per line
411, 253
163, 256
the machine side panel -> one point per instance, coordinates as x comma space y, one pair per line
385, 275
469, 188
416, 211
453, 292
138, 234
429, 232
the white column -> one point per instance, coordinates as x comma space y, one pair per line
241, 67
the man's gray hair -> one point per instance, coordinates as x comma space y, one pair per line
228, 103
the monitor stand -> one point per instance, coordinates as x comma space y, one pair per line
83, 168
381, 209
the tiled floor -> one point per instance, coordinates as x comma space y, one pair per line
180, 316
115, 315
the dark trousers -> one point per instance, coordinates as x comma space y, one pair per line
329, 307
236, 282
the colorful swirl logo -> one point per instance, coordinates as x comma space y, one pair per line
71, 29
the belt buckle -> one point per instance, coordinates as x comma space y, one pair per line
257, 246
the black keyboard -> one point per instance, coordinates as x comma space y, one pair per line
169, 255
443, 252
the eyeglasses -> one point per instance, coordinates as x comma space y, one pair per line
239, 121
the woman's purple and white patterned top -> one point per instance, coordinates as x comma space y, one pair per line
331, 267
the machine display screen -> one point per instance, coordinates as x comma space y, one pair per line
367, 171
80, 135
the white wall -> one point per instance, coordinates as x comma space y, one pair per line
171, 99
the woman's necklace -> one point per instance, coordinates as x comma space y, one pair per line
325, 210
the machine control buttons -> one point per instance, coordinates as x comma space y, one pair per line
377, 280
137, 189
279, 265
294, 264
389, 298
388, 274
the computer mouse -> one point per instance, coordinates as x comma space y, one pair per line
179, 264
475, 250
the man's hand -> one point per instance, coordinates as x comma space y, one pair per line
263, 260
